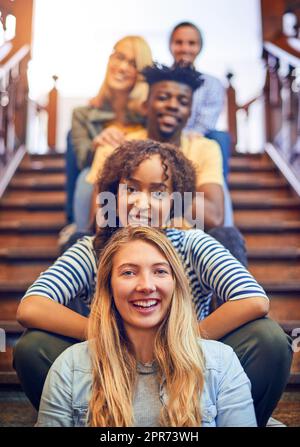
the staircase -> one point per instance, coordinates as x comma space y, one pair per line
266, 211
31, 215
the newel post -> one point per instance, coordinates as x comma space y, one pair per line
231, 110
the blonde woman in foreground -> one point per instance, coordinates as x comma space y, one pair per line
144, 363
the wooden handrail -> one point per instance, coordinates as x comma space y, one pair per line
13, 113
233, 107
282, 107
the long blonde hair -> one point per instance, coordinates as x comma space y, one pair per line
176, 350
143, 58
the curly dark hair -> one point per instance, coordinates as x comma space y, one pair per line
177, 73
125, 160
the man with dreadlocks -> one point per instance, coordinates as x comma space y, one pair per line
168, 108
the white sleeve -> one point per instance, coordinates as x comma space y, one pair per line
56, 401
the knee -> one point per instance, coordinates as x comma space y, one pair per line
231, 238
27, 348
226, 233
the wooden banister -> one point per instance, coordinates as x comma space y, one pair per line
52, 115
231, 110
14, 60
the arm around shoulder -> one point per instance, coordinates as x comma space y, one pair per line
234, 400
56, 402
43, 313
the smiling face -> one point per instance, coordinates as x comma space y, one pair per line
146, 200
122, 72
142, 285
185, 45
168, 109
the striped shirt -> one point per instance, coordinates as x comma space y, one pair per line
208, 101
210, 269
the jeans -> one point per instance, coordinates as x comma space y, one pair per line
82, 202
83, 197
72, 173
232, 239
262, 347
224, 141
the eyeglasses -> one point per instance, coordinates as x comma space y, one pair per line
119, 57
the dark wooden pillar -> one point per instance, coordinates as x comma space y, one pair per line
52, 115
23, 11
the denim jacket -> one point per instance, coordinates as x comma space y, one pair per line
225, 402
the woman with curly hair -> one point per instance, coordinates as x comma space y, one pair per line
144, 363
152, 172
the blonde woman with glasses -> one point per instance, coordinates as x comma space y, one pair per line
144, 363
115, 111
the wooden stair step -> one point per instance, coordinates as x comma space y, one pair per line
34, 204
274, 227
32, 215
264, 177
269, 204
259, 195
39, 177
56, 160
239, 159
239, 166
295, 369
8, 375
56, 183
28, 240
282, 287
21, 273
265, 216
249, 157
283, 307
11, 327
255, 185
9, 307
256, 176
277, 241
50, 155
50, 196
22, 227
9, 378
45, 166
274, 254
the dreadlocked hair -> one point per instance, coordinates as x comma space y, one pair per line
177, 73
126, 159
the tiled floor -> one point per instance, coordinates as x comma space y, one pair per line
15, 409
